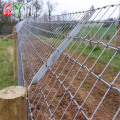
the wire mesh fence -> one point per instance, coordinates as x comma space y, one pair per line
71, 63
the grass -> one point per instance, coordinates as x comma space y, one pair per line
110, 32
6, 63
51, 41
105, 58
92, 31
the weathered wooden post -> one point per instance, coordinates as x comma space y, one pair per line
15, 61
13, 103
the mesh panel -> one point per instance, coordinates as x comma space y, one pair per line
71, 64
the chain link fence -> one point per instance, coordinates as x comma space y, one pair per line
71, 65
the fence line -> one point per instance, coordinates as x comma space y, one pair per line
71, 64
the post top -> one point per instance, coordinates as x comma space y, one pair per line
13, 92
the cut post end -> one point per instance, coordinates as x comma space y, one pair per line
13, 92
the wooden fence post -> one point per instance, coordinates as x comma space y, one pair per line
13, 103
15, 61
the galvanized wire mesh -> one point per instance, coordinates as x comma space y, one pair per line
71, 64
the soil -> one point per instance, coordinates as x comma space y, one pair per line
49, 87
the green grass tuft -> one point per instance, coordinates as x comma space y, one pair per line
6, 64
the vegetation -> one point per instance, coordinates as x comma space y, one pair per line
89, 30
6, 63
106, 56
109, 33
